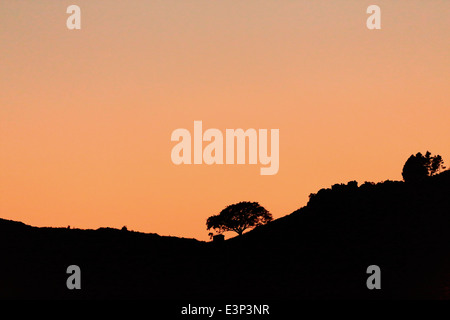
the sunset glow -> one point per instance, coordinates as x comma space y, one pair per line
86, 116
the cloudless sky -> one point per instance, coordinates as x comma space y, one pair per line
86, 115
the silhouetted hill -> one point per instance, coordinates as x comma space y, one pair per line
34, 260
401, 227
319, 251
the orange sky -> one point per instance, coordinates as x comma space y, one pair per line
86, 116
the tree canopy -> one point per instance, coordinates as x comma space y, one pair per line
239, 217
420, 166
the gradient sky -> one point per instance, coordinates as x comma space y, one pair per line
86, 115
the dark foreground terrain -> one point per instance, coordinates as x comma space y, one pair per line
320, 251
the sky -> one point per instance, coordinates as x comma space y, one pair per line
86, 115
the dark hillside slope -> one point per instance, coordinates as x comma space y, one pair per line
327, 246
113, 262
319, 251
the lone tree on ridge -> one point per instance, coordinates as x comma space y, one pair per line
239, 217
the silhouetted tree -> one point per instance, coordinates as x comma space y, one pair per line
239, 217
420, 166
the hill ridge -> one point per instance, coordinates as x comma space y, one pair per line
321, 250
